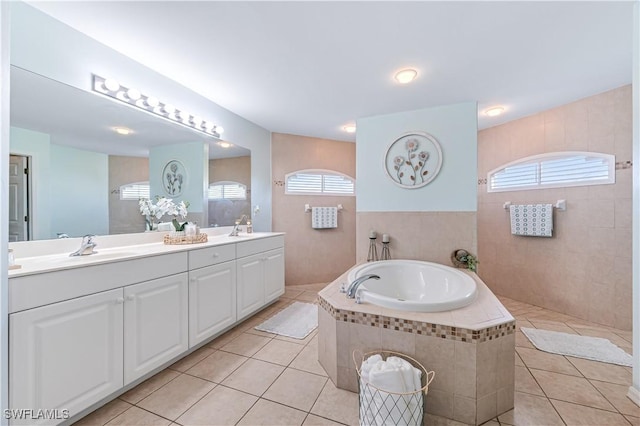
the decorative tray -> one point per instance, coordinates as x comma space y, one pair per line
183, 239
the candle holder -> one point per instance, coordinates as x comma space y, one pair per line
373, 250
386, 254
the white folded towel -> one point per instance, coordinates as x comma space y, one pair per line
383, 408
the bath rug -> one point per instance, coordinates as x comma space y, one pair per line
296, 320
593, 348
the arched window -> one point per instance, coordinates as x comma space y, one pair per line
227, 190
135, 191
319, 182
553, 170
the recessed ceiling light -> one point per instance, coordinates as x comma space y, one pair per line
406, 76
224, 144
349, 129
494, 111
122, 130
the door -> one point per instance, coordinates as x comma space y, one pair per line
18, 198
273, 274
250, 288
67, 355
212, 301
155, 324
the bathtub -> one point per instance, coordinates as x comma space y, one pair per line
412, 285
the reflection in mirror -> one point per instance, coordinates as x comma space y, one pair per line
82, 172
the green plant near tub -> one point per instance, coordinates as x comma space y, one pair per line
463, 259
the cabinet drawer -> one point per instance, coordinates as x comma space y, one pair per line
211, 256
247, 248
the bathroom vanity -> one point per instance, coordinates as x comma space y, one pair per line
88, 328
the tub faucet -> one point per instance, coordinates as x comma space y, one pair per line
86, 246
235, 231
351, 290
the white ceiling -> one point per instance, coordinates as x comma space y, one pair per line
309, 68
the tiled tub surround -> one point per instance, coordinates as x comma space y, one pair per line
471, 349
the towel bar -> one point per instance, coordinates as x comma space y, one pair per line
307, 208
561, 205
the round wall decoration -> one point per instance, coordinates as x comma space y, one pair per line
413, 160
174, 178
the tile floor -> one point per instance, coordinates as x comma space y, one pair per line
248, 377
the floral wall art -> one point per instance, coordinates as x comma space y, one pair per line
413, 160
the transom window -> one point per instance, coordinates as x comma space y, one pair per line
135, 191
227, 190
553, 170
319, 182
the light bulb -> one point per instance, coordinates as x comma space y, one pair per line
349, 129
122, 130
111, 85
133, 94
219, 130
208, 126
196, 120
152, 101
224, 144
168, 108
494, 111
406, 76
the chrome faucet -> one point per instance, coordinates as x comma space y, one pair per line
86, 246
236, 230
351, 290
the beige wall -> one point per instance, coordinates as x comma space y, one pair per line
312, 256
124, 216
585, 268
430, 236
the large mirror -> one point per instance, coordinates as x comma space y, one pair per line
72, 174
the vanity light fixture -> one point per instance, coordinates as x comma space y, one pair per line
406, 75
111, 88
494, 111
349, 128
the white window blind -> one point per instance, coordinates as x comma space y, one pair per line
227, 190
135, 191
553, 170
320, 182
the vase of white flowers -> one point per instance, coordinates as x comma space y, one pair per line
163, 206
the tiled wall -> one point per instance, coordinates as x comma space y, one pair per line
312, 256
585, 268
430, 236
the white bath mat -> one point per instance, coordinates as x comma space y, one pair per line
296, 320
594, 348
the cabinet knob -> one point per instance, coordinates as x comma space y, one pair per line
131, 297
120, 300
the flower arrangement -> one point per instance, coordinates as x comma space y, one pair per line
463, 259
163, 206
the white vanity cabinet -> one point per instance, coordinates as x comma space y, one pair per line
155, 324
212, 301
67, 355
260, 280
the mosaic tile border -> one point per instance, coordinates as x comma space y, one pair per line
417, 327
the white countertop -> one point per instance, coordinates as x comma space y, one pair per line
60, 261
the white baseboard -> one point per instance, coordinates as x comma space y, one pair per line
634, 395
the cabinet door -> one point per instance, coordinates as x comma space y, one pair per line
155, 324
250, 284
212, 301
273, 274
67, 355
